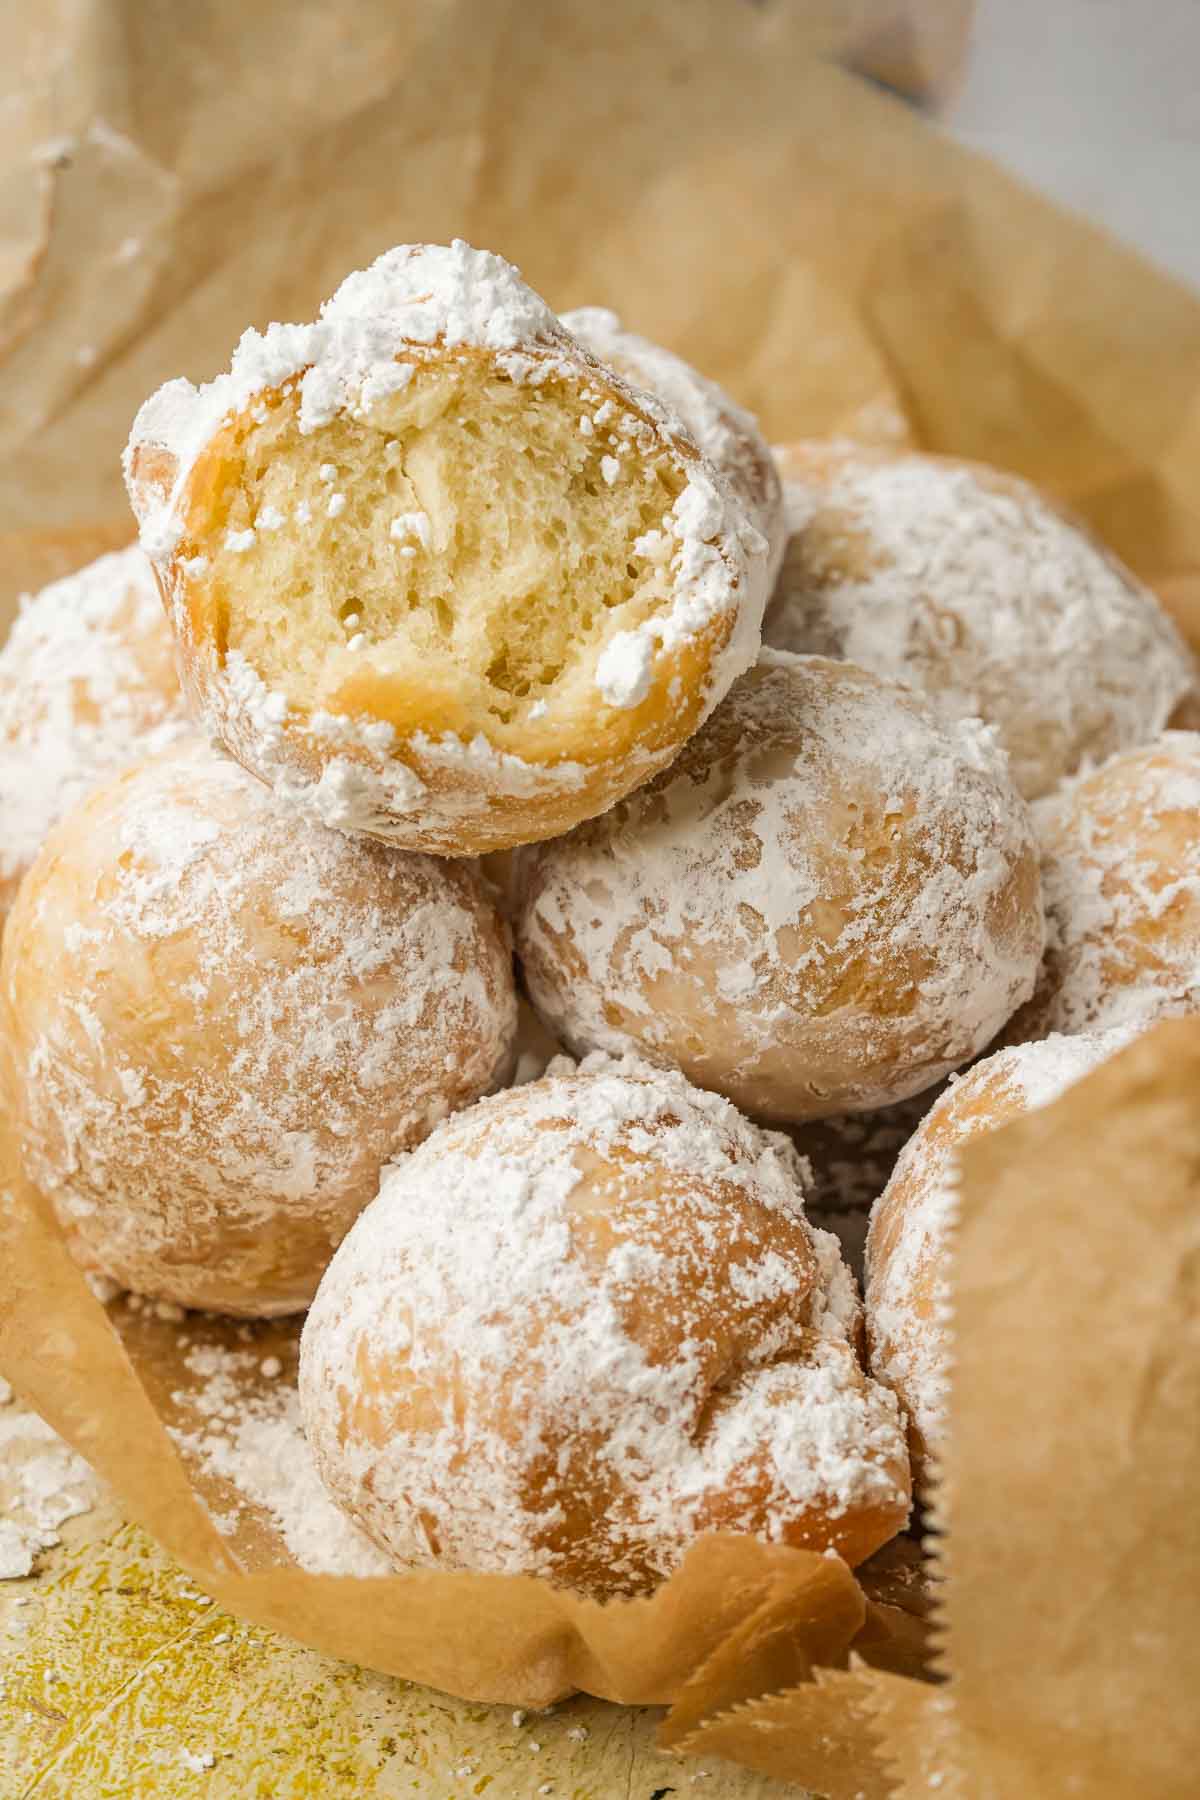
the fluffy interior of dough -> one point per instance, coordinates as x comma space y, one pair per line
469, 534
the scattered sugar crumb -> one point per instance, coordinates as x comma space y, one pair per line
50, 1484
255, 1442
197, 1760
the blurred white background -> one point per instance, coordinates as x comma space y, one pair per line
1097, 102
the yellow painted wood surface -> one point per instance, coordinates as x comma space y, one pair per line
120, 1680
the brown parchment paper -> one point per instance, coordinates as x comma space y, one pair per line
1070, 1606
171, 174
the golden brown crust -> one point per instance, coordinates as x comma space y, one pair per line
986, 595
225, 1021
1121, 864
827, 902
585, 1323
88, 684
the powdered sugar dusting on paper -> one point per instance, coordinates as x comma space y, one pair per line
482, 1253
972, 587
853, 1155
251, 1438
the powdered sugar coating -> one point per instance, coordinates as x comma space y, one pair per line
828, 901
967, 583
584, 1322
908, 1291
87, 685
249, 1435
1121, 874
724, 432
412, 295
349, 780
224, 1021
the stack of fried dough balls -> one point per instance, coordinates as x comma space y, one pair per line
448, 575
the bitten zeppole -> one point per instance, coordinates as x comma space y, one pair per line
435, 572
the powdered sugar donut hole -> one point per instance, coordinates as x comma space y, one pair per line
585, 1322
968, 583
87, 686
828, 902
224, 1020
1121, 872
725, 433
908, 1287
436, 574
